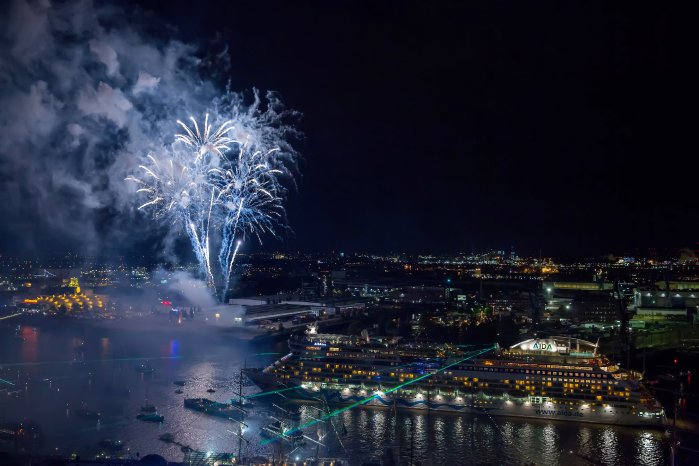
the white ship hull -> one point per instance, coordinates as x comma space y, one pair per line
499, 406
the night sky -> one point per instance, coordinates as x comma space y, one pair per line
437, 126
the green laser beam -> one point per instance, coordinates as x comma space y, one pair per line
272, 392
11, 316
265, 354
368, 399
39, 363
6, 381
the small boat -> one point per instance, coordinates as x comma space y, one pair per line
212, 408
167, 437
145, 368
179, 383
150, 417
211, 390
114, 445
178, 391
148, 408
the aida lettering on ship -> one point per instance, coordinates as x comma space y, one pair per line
556, 378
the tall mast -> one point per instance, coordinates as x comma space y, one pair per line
242, 415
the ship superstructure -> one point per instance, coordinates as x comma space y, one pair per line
556, 377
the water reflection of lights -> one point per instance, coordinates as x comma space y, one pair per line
648, 450
609, 443
550, 440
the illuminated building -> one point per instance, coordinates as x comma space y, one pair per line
75, 301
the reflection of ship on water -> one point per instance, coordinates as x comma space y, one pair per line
554, 378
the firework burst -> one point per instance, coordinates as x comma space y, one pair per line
219, 189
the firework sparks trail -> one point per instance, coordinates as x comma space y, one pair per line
229, 230
215, 199
248, 195
179, 190
207, 142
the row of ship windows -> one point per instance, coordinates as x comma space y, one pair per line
410, 375
532, 391
519, 384
532, 371
546, 381
567, 372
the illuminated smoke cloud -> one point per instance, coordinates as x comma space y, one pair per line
82, 104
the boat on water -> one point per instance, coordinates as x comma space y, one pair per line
150, 417
559, 378
179, 383
211, 390
212, 408
167, 437
178, 391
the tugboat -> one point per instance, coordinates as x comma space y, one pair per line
211, 390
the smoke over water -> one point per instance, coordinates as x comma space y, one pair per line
85, 95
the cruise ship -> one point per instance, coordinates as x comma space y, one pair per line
557, 377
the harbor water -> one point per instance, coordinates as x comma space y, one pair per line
57, 373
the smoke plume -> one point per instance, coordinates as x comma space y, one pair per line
85, 95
